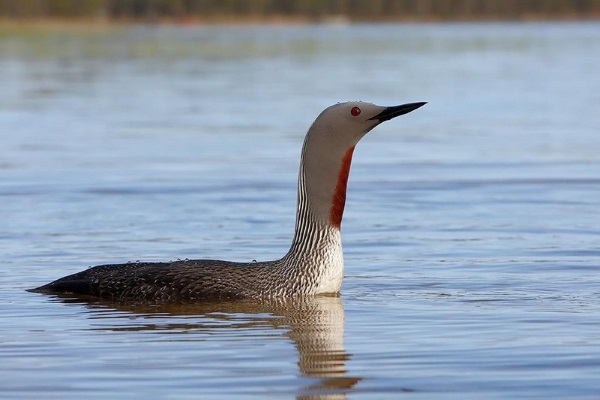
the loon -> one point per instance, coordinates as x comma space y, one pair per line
314, 263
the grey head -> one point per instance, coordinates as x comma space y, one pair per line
328, 149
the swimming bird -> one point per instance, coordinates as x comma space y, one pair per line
314, 263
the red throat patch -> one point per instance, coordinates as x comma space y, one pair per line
338, 200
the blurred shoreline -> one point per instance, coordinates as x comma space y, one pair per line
288, 12
194, 20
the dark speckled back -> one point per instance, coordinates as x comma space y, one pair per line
176, 281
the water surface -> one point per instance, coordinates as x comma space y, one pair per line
471, 231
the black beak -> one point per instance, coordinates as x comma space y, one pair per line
394, 111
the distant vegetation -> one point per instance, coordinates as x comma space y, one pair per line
351, 10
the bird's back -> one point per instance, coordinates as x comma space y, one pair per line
166, 281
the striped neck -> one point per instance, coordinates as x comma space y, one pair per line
316, 251
314, 233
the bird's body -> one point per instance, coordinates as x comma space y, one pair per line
313, 265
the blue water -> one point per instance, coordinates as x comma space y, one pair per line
471, 232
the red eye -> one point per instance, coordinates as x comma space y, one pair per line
355, 111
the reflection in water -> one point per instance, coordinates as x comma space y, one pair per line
316, 326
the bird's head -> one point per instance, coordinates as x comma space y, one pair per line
346, 123
328, 149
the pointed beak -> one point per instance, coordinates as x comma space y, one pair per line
394, 111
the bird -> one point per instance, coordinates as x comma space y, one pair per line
314, 264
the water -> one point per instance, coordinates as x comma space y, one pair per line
471, 232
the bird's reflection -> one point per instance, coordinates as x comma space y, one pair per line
314, 324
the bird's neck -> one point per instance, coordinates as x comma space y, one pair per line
317, 244
338, 199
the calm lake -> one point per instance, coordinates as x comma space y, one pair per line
471, 232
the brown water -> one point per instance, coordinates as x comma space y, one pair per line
471, 231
